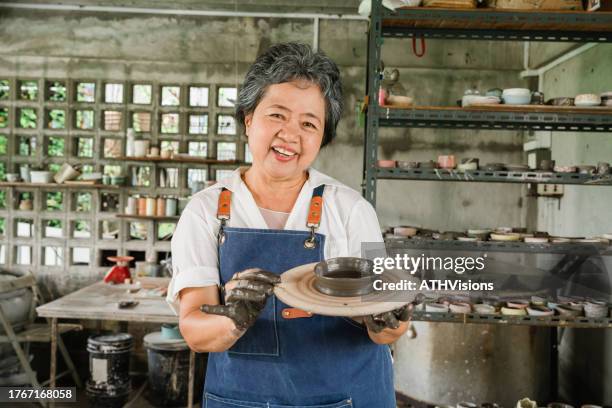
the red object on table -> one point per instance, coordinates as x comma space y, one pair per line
120, 272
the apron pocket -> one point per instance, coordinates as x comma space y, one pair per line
345, 403
262, 338
215, 401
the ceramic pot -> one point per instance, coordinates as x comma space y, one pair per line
483, 308
25, 205
386, 163
65, 173
140, 148
12, 177
436, 308
547, 165
24, 172
511, 311
603, 168
587, 100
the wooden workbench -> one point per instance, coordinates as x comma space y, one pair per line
99, 302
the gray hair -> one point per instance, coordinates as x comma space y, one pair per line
287, 62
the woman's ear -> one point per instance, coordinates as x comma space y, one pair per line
248, 119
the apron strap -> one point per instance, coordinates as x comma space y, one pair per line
223, 211
314, 215
313, 222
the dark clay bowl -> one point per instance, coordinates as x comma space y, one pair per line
344, 277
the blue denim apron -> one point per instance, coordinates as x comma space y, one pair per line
314, 362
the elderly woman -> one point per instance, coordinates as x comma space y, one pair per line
243, 232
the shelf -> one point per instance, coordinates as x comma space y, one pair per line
536, 177
501, 117
148, 217
491, 24
547, 321
55, 185
193, 160
498, 246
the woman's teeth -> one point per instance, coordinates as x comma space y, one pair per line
284, 152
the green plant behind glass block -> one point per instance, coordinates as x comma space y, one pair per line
57, 119
54, 201
83, 202
56, 147
84, 119
3, 117
2, 199
54, 167
3, 144
27, 146
5, 89
28, 90
85, 147
27, 118
57, 92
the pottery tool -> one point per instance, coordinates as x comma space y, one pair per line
298, 289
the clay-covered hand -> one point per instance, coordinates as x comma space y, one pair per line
245, 297
388, 320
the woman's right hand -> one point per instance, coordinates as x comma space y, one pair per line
245, 297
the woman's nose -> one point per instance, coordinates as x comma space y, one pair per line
290, 132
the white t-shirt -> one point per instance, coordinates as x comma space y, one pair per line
347, 220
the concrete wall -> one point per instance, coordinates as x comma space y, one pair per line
586, 355
190, 49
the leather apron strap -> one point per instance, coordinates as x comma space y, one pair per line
315, 211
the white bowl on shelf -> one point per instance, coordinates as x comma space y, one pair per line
516, 96
41, 177
587, 100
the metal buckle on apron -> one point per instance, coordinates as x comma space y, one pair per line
221, 234
311, 242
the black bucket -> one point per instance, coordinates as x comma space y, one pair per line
109, 369
107, 396
169, 371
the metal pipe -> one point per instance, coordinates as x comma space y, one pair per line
315, 29
539, 72
179, 12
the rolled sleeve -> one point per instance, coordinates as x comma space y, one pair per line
194, 255
362, 227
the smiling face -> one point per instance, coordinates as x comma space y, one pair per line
286, 129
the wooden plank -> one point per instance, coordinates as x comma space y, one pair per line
55, 185
181, 159
99, 302
148, 217
519, 24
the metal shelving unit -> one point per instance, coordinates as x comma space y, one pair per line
548, 321
505, 25
477, 24
500, 117
481, 24
577, 248
484, 176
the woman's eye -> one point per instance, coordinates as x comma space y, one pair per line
310, 125
276, 115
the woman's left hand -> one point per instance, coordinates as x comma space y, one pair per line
385, 328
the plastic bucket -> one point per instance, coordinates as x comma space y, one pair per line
169, 371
